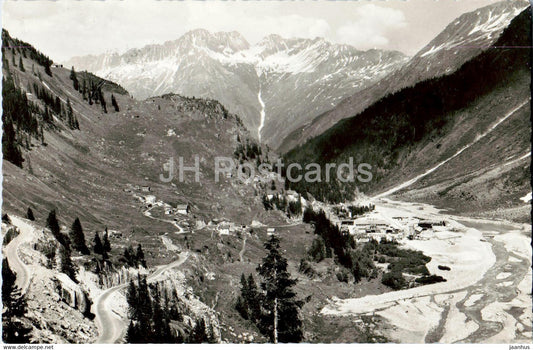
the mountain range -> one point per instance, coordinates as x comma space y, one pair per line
275, 86
287, 90
464, 38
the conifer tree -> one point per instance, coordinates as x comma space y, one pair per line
70, 115
107, 244
74, 79
129, 256
67, 266
77, 237
133, 334
84, 90
57, 105
249, 302
47, 69
29, 214
140, 256
199, 333
53, 225
98, 248
133, 302
10, 149
254, 300
21, 65
46, 115
241, 305
114, 103
12, 298
282, 322
13, 306
102, 99
144, 304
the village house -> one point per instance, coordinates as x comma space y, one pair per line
115, 234
169, 211
348, 227
150, 199
183, 209
223, 229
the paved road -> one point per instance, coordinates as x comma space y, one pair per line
241, 253
111, 327
172, 222
11, 252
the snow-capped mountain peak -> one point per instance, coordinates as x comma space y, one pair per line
224, 66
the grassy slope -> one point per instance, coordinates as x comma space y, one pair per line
84, 173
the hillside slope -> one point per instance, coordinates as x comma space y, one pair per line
462, 40
483, 104
87, 171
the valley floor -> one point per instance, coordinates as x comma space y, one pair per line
487, 295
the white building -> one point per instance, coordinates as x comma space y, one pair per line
150, 199
183, 209
223, 229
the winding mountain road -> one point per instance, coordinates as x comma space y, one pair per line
149, 215
241, 253
111, 328
11, 252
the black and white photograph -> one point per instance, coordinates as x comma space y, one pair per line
266, 172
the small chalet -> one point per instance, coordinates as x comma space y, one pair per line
183, 209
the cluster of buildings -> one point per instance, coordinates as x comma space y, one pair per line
133, 188
150, 201
225, 228
394, 229
183, 209
365, 228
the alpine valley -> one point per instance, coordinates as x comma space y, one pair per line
107, 238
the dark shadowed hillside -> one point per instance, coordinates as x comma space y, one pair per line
406, 133
463, 39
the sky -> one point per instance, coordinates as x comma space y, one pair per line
66, 28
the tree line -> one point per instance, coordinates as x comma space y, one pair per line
331, 243
26, 50
152, 311
280, 202
75, 241
20, 122
91, 90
